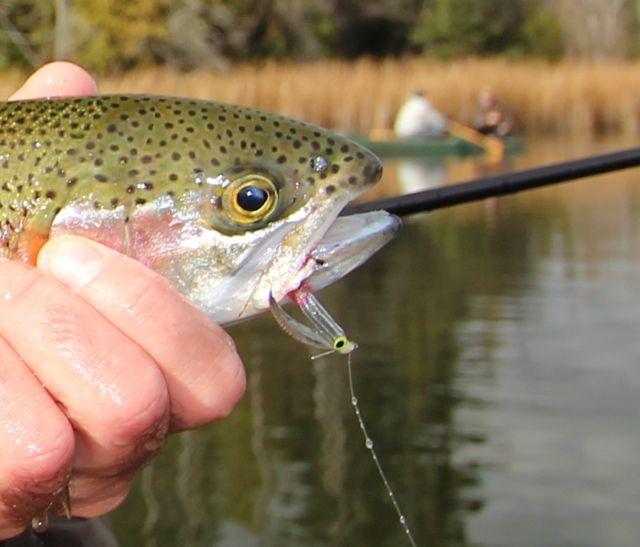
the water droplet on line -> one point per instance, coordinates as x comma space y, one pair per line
374, 456
40, 523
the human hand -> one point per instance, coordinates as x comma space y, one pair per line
99, 358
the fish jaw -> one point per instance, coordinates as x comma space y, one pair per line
349, 242
231, 278
273, 265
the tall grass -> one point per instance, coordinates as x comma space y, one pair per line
568, 98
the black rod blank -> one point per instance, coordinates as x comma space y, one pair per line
500, 185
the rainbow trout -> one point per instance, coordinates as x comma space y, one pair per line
236, 207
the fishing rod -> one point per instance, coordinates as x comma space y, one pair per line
500, 185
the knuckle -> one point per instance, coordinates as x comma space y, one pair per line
19, 283
45, 461
217, 398
100, 496
235, 384
36, 475
148, 299
63, 325
144, 414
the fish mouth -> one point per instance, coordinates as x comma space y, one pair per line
271, 269
349, 241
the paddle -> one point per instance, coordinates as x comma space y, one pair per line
493, 146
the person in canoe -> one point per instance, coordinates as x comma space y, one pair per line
490, 117
418, 117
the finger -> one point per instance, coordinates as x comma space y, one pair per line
58, 79
112, 391
37, 445
204, 374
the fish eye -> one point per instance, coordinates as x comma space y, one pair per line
340, 343
250, 199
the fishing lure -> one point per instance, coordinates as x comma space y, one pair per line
325, 333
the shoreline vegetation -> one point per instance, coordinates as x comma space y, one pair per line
568, 98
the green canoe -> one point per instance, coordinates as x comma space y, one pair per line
434, 146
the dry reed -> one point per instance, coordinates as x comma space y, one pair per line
568, 98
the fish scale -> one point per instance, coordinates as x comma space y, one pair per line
128, 150
229, 203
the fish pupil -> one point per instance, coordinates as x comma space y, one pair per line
252, 198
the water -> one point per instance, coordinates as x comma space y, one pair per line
498, 371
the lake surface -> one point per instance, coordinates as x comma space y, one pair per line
498, 373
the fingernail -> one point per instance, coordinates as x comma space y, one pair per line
75, 263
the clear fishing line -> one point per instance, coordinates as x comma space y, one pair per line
326, 334
368, 442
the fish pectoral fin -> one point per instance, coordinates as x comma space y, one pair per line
25, 246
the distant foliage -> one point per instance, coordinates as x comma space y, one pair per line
455, 28
26, 31
117, 35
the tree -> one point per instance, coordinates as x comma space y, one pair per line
596, 28
448, 28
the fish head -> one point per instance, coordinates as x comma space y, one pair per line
265, 222
238, 206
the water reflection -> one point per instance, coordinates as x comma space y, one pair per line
496, 373
415, 175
